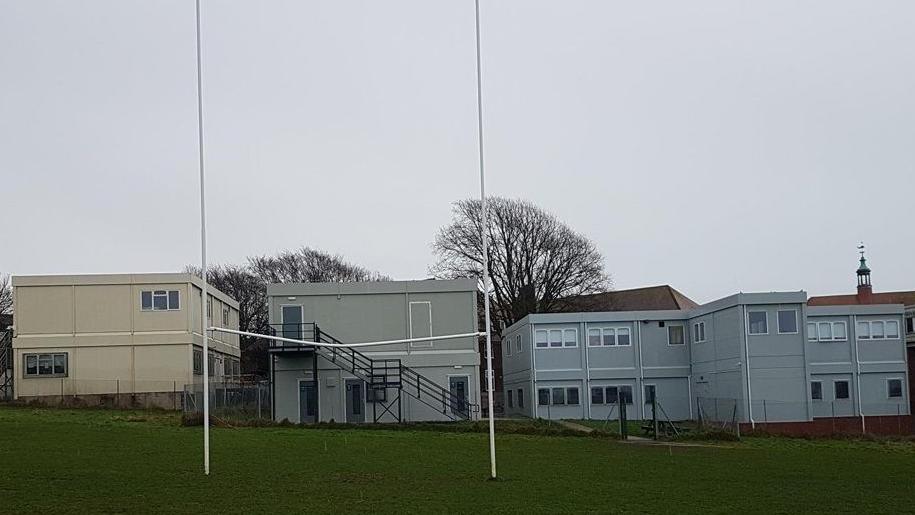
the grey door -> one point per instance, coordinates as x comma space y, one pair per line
292, 322
355, 401
459, 386
308, 402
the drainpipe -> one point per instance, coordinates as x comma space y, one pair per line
535, 398
854, 321
746, 344
641, 382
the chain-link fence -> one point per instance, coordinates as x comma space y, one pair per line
236, 401
715, 414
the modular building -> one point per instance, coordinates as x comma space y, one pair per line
91, 336
751, 358
423, 380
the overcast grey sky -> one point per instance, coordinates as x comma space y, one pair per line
714, 145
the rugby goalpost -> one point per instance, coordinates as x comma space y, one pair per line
483, 237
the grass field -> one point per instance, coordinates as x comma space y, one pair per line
110, 461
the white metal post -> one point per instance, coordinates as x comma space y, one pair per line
203, 260
485, 240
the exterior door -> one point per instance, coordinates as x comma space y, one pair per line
308, 402
459, 386
292, 322
650, 391
355, 401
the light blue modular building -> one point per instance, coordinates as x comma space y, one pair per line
749, 357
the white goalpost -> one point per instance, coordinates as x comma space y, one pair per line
486, 280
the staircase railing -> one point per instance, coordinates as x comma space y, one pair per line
379, 374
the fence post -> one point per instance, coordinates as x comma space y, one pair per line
736, 422
624, 426
765, 413
654, 413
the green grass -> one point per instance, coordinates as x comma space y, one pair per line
110, 461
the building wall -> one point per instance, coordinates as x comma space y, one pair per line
112, 345
731, 374
365, 312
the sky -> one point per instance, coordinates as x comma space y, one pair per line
717, 146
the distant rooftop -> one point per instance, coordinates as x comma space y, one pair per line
891, 297
649, 298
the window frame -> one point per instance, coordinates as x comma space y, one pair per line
197, 362
901, 388
619, 388
574, 331
778, 321
820, 384
154, 294
511, 403
560, 341
835, 391
47, 355
520, 396
750, 324
553, 391
225, 317
519, 346
682, 335
546, 340
549, 397
698, 332
885, 323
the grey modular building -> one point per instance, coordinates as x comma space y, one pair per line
749, 357
416, 381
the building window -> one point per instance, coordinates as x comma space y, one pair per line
555, 338
608, 336
160, 300
910, 325
518, 344
839, 331
46, 365
811, 331
543, 396
841, 389
198, 362
758, 322
597, 395
594, 337
894, 388
559, 396
511, 403
225, 317
618, 393
540, 339
878, 330
520, 398
816, 390
824, 331
209, 309
675, 335
622, 336
699, 332
570, 337
572, 396
508, 348
787, 321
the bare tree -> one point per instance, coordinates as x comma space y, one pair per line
308, 265
6, 295
251, 293
535, 259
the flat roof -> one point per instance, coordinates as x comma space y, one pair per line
373, 287
112, 279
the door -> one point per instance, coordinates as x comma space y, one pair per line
355, 401
459, 386
308, 402
292, 322
650, 392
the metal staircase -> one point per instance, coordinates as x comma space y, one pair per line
380, 375
6, 365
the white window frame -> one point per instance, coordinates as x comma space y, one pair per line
683, 332
508, 348
869, 324
600, 336
778, 322
546, 339
812, 336
429, 343
847, 389
519, 346
578, 394
520, 398
751, 333
550, 340
158, 293
812, 398
909, 320
225, 317
822, 338
698, 332
574, 331
901, 387
617, 339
